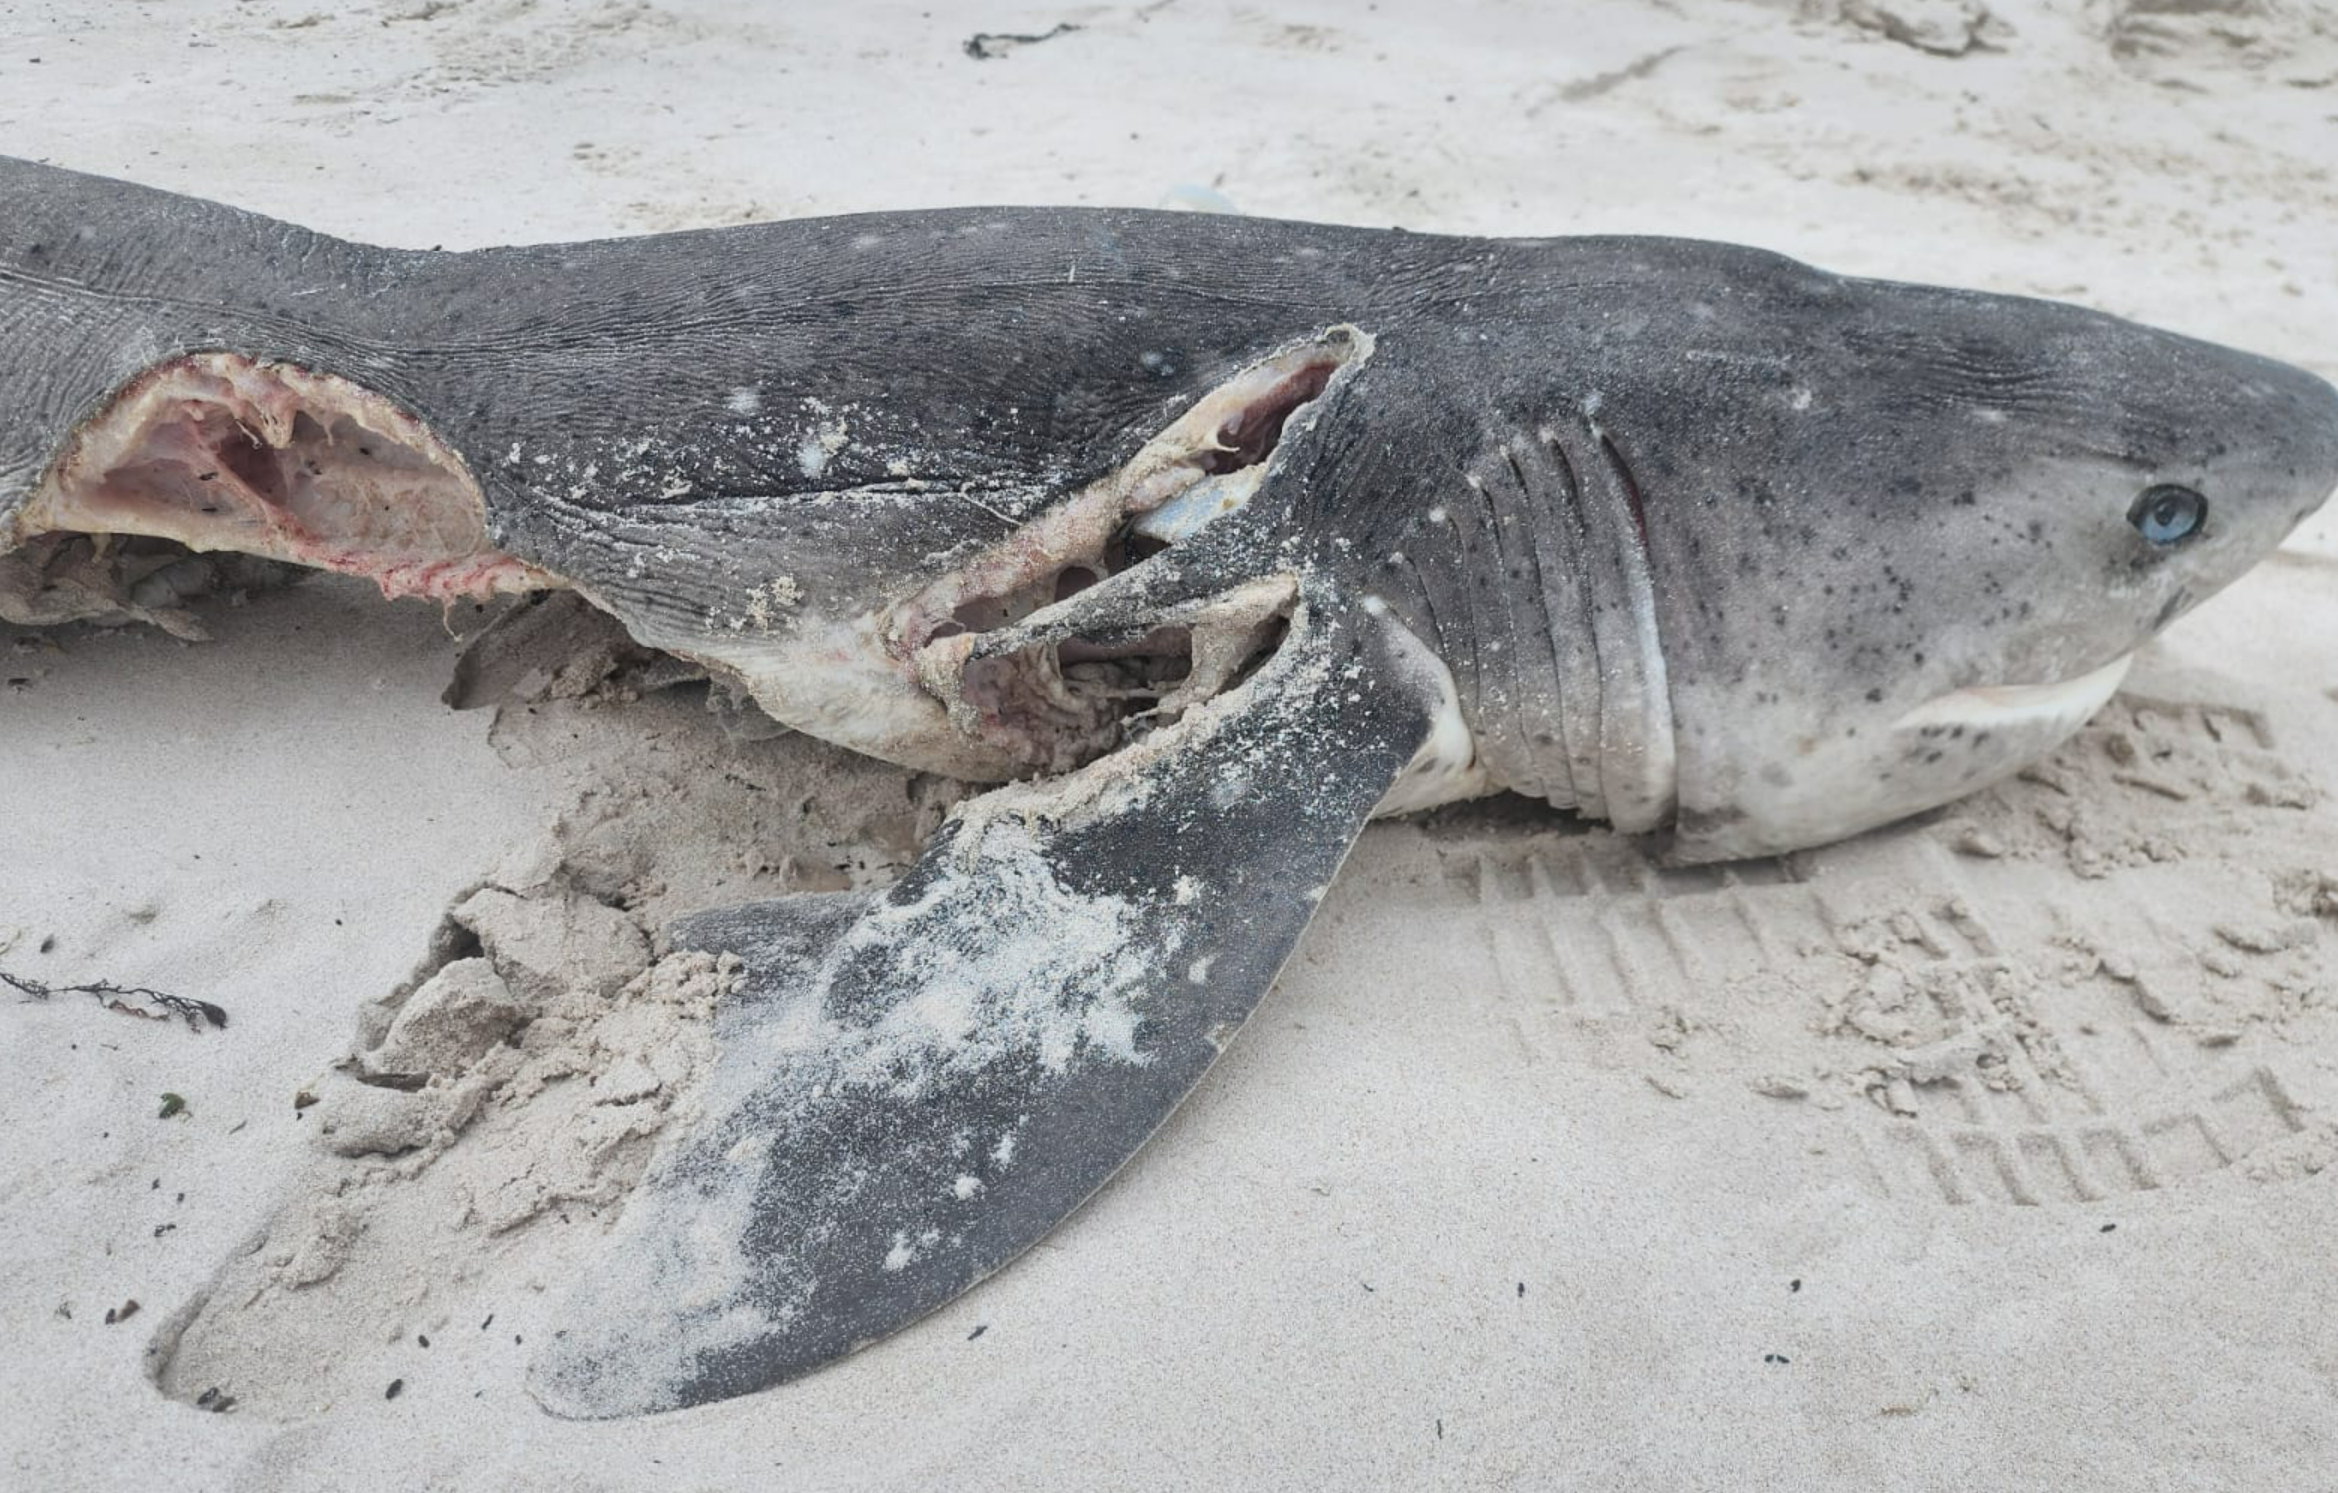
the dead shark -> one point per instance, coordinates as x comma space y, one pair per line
1208, 538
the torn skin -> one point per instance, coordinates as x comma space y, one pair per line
217, 451
999, 642
1038, 656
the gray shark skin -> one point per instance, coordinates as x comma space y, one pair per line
1208, 537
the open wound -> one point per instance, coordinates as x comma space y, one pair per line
1050, 646
217, 451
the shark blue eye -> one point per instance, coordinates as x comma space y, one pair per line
2168, 514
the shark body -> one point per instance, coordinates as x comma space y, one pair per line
1209, 538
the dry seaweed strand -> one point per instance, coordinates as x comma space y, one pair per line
158, 1005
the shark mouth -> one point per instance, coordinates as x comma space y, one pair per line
2027, 709
1046, 649
221, 452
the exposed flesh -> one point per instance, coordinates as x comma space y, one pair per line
217, 451
1064, 700
221, 452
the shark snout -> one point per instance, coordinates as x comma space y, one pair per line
2257, 441
2291, 442
2317, 420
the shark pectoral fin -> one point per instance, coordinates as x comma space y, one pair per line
914, 1088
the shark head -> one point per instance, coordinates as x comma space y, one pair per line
1974, 510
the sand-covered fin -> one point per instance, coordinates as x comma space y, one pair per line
910, 1091
499, 1105
220, 452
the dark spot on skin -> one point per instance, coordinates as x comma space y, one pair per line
1875, 697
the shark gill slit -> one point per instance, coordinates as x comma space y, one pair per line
1631, 486
1570, 628
1588, 644
1532, 713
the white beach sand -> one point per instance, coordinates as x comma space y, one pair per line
1999, 1150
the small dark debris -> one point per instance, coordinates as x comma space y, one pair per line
1776, 1358
515, 1339
979, 1329
990, 46
422, 1338
490, 1322
1367, 1285
404, 1083
1794, 1284
216, 1400
159, 1005
48, 942
161, 1229
173, 1104
1522, 1290
1440, 1428
302, 1100
122, 1313
397, 1387
2106, 1228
